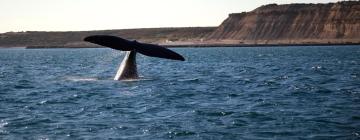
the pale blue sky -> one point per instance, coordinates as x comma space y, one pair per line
75, 15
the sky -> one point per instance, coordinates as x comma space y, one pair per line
82, 15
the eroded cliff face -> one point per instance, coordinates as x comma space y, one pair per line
293, 23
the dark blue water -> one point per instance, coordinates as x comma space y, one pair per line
218, 93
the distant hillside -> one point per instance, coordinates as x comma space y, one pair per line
293, 23
74, 39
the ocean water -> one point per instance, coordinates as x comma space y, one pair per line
217, 93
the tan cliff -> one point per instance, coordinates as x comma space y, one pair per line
293, 23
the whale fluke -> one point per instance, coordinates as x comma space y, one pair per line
121, 44
128, 68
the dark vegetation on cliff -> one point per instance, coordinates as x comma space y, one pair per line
333, 23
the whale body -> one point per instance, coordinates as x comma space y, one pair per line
128, 68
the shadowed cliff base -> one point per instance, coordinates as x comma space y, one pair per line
269, 25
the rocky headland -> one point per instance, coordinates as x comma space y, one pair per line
293, 24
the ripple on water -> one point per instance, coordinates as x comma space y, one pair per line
24, 84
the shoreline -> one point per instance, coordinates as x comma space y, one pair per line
199, 45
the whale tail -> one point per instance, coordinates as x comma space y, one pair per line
121, 44
128, 68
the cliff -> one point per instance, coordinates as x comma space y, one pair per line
293, 24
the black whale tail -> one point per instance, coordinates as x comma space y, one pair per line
121, 44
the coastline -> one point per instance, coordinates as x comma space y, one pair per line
301, 27
200, 45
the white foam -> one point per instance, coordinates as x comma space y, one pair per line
3, 123
135, 80
79, 79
